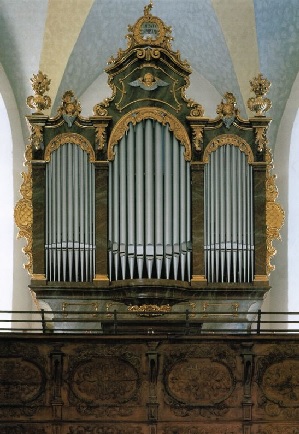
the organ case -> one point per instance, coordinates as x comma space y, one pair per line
148, 204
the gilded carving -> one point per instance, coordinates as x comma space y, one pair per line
228, 139
197, 110
159, 115
275, 215
227, 109
36, 136
148, 36
199, 382
150, 309
148, 53
70, 107
73, 138
101, 136
260, 86
23, 212
148, 82
197, 136
261, 138
101, 108
40, 84
149, 30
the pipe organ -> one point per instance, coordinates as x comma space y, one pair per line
147, 204
70, 219
228, 204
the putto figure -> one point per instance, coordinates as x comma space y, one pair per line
148, 82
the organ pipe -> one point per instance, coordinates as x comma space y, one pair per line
229, 250
150, 214
70, 222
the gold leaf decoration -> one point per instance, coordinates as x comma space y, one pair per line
275, 215
23, 213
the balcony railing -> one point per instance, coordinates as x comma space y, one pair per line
123, 323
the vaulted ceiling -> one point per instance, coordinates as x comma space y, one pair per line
226, 42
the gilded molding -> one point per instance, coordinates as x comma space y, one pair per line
275, 215
23, 212
76, 139
228, 139
158, 115
40, 84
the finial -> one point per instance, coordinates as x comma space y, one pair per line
260, 86
40, 84
148, 8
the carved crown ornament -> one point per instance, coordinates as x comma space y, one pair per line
148, 35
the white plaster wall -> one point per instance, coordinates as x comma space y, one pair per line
21, 298
279, 299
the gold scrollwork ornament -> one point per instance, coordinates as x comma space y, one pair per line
23, 213
275, 215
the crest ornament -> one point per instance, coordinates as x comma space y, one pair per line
40, 84
227, 109
70, 107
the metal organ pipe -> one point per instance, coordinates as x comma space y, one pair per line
70, 220
150, 215
229, 249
